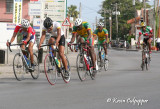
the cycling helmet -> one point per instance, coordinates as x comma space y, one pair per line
100, 24
143, 24
78, 22
47, 22
25, 23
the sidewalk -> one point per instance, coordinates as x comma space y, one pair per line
132, 49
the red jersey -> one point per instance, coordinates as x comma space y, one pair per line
19, 29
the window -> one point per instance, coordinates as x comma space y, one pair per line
9, 6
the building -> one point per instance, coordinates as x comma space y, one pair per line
6, 13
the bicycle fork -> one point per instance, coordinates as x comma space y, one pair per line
86, 62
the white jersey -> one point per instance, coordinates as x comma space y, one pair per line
56, 25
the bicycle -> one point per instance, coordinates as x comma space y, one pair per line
54, 66
145, 57
21, 64
84, 63
101, 58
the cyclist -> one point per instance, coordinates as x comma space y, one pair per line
82, 29
102, 34
147, 32
57, 35
28, 38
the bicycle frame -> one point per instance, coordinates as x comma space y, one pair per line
86, 55
53, 57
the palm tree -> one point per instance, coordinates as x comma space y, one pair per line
72, 11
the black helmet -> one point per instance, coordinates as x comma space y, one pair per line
47, 22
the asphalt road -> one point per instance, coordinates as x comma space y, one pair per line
123, 86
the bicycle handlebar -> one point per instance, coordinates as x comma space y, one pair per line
14, 45
55, 48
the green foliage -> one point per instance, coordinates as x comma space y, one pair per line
127, 12
72, 11
129, 38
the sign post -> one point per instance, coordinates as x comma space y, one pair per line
17, 11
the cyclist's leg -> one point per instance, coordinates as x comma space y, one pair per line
61, 51
23, 47
92, 52
105, 47
51, 41
30, 48
82, 40
149, 42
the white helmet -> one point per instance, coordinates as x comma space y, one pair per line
25, 23
78, 22
100, 24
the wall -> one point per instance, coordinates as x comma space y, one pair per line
8, 17
5, 35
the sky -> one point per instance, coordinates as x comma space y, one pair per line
90, 9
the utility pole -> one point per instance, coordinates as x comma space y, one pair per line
144, 11
116, 21
154, 23
80, 10
110, 24
135, 18
104, 17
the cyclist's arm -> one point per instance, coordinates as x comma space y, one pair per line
106, 38
42, 38
13, 37
151, 34
74, 35
89, 34
28, 37
139, 38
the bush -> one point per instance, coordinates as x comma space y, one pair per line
129, 38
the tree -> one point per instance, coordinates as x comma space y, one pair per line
127, 11
72, 11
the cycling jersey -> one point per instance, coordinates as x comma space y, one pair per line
56, 26
101, 35
83, 31
148, 30
19, 29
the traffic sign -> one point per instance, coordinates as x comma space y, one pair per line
66, 22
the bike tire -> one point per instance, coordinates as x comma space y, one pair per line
106, 64
35, 73
91, 69
99, 62
18, 67
143, 63
66, 80
81, 67
147, 63
50, 69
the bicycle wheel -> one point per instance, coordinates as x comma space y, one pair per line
35, 73
81, 67
50, 69
106, 63
18, 67
99, 62
147, 61
143, 64
66, 80
91, 69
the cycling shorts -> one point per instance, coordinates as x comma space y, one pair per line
91, 40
